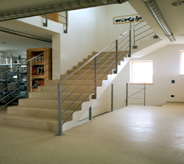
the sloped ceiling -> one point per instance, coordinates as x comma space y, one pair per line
173, 16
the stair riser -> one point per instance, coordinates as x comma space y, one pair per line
54, 96
90, 71
98, 66
84, 77
100, 62
46, 104
29, 124
69, 90
77, 83
42, 113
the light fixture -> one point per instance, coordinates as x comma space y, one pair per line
178, 3
155, 11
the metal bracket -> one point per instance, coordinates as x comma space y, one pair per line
66, 25
45, 21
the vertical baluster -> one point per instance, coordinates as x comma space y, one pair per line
112, 97
130, 40
90, 113
134, 46
95, 78
59, 111
116, 71
126, 94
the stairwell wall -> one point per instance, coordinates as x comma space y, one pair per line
166, 67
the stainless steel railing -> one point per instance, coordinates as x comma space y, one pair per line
140, 31
121, 48
13, 90
62, 18
117, 96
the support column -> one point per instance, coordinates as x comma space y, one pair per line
56, 56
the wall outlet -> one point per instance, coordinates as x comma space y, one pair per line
172, 95
172, 81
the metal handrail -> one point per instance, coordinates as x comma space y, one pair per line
91, 59
60, 101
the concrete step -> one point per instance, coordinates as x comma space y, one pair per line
29, 122
91, 71
54, 96
68, 90
41, 103
85, 76
106, 66
100, 62
77, 83
37, 112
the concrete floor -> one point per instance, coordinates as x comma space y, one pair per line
131, 135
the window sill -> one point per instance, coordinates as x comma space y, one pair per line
141, 83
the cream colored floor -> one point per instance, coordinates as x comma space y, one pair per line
131, 135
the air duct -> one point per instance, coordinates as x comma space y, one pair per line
2, 29
155, 11
53, 8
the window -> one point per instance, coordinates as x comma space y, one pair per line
141, 72
182, 62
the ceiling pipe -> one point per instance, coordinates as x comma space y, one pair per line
155, 11
53, 8
6, 30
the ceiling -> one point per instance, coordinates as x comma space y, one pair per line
173, 16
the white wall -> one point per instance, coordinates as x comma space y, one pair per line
113, 31
166, 66
91, 30
86, 33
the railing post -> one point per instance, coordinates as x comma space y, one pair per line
31, 87
112, 97
59, 111
116, 71
126, 94
134, 46
90, 113
45, 21
6, 85
66, 25
130, 40
95, 78
144, 94
18, 83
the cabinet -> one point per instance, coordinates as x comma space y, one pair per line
39, 69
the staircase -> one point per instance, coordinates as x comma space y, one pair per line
40, 110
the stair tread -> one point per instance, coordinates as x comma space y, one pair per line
35, 108
47, 100
29, 118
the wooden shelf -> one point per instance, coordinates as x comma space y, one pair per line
45, 65
38, 63
38, 76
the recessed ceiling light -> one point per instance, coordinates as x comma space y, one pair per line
178, 3
5, 42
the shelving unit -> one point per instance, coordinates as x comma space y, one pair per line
12, 80
41, 67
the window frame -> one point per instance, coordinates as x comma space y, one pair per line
182, 51
131, 71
